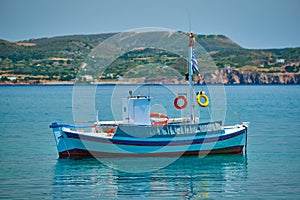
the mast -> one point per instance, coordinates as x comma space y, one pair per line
191, 90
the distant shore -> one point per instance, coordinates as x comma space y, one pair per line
38, 83
70, 83
222, 76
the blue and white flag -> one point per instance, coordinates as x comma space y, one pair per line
194, 62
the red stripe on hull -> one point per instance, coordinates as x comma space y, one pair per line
79, 153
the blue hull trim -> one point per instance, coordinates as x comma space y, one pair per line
155, 143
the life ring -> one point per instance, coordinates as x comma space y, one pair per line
206, 100
109, 134
185, 102
159, 115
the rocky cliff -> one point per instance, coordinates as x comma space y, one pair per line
235, 76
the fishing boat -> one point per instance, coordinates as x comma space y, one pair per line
142, 133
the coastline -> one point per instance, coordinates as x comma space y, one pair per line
71, 83
221, 76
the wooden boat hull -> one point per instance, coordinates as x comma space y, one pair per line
76, 144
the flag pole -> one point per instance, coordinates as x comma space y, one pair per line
191, 90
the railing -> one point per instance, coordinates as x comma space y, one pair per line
171, 130
179, 129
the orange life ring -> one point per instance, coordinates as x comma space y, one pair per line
185, 102
109, 135
159, 115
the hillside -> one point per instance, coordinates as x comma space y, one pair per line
59, 58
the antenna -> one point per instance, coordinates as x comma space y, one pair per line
190, 22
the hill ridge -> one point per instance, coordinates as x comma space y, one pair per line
33, 59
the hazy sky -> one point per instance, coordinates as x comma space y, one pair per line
250, 23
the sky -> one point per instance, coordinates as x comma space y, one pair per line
253, 24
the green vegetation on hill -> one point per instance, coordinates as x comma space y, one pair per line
59, 58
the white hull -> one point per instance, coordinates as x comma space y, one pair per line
75, 143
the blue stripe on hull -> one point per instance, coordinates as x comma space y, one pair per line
171, 142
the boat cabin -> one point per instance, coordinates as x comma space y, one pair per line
136, 110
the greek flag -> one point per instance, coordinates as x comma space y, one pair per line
194, 62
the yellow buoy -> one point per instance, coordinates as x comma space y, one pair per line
206, 100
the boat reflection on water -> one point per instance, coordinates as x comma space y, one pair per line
188, 177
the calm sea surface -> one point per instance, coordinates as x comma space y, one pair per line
30, 168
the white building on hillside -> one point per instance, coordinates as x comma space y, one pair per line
280, 60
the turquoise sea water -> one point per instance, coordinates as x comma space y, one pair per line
30, 168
